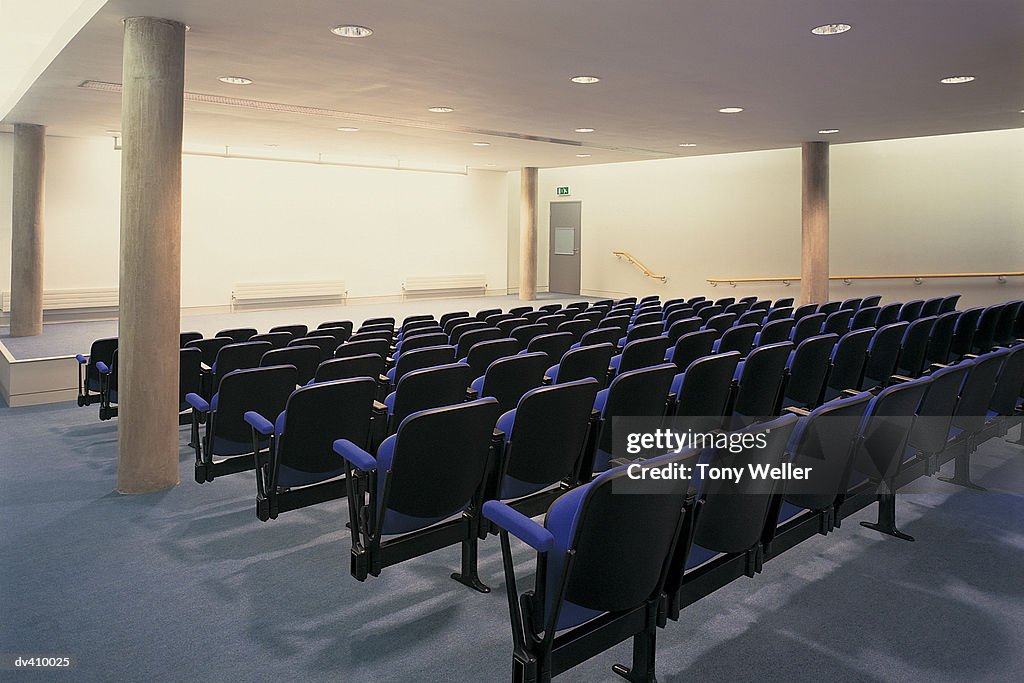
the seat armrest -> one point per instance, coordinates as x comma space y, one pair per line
355, 455
899, 379
622, 462
379, 407
519, 525
203, 367
197, 402
259, 423
81, 359
102, 368
471, 394
799, 412
850, 393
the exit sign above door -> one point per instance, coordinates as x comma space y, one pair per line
562, 191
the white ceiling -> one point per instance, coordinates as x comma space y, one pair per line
666, 67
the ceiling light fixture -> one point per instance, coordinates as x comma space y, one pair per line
481, 144
731, 110
830, 29
687, 144
584, 130
351, 31
585, 79
441, 110
952, 80
235, 80
346, 129
828, 131
582, 156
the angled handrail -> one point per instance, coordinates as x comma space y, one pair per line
1001, 276
644, 269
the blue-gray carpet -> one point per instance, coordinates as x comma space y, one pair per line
186, 585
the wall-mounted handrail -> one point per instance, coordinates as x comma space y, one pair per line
646, 271
848, 278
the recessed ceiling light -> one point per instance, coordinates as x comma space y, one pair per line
235, 80
949, 80
731, 110
346, 129
582, 156
481, 144
441, 110
830, 29
828, 131
351, 31
584, 130
687, 144
584, 79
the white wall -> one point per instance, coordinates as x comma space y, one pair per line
942, 204
259, 221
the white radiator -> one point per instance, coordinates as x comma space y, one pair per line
445, 283
69, 299
316, 291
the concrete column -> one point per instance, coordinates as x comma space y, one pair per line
814, 242
528, 234
27, 230
150, 285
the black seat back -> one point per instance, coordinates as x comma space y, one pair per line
190, 361
471, 337
910, 311
914, 346
238, 334
643, 353
554, 345
507, 379
864, 317
775, 331
738, 338
441, 385
325, 342
949, 303
293, 330
883, 352
209, 348
759, 384
368, 365
941, 338
808, 369
885, 429
422, 341
586, 362
691, 346
930, 430
888, 314
427, 357
304, 358
963, 332
482, 354
849, 356
264, 390
703, 396
807, 327
239, 356
277, 340
837, 323
524, 334
380, 347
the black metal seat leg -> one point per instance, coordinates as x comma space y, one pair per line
469, 575
886, 523
962, 473
644, 648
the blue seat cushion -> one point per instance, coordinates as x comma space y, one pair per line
600, 400
396, 522
789, 511
478, 385
561, 522
389, 401
616, 361
552, 372
699, 555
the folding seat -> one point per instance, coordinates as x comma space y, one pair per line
759, 384
702, 392
277, 340
339, 334
930, 432
650, 298
186, 337
725, 301
963, 333
850, 304
469, 338
453, 315
507, 379
344, 326
761, 305
462, 328
209, 348
384, 335
231, 357
738, 308
414, 327
423, 317
591, 316
637, 393
577, 328
553, 345
684, 326
676, 309
487, 312
641, 353
884, 431
327, 344
1009, 390
695, 299
1004, 332
550, 308
534, 316
190, 362
720, 322
806, 327
431, 470
883, 352
439, 385
910, 311
781, 313
519, 310
691, 346
888, 314
645, 331
775, 331
949, 303
602, 335
367, 365
386, 320
350, 348
226, 445
913, 347
940, 339
380, 330
804, 310
89, 382
829, 307
619, 321
709, 312
864, 317
806, 370
985, 334
582, 363
600, 572
553, 320
237, 334
822, 443
302, 468
496, 318
482, 354
931, 306
420, 341
644, 318
738, 338
452, 323
838, 322
578, 305
525, 333
748, 300
846, 368
873, 300
506, 326
755, 317
417, 359
786, 302
305, 359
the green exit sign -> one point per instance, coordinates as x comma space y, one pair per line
562, 191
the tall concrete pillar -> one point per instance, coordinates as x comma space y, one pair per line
27, 230
814, 242
153, 80
528, 234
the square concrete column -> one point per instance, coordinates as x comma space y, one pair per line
814, 218
528, 234
150, 283
27, 230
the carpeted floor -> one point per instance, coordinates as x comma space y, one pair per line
186, 585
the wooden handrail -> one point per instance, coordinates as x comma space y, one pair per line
646, 271
847, 278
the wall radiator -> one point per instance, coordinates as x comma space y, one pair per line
291, 293
445, 284
70, 299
